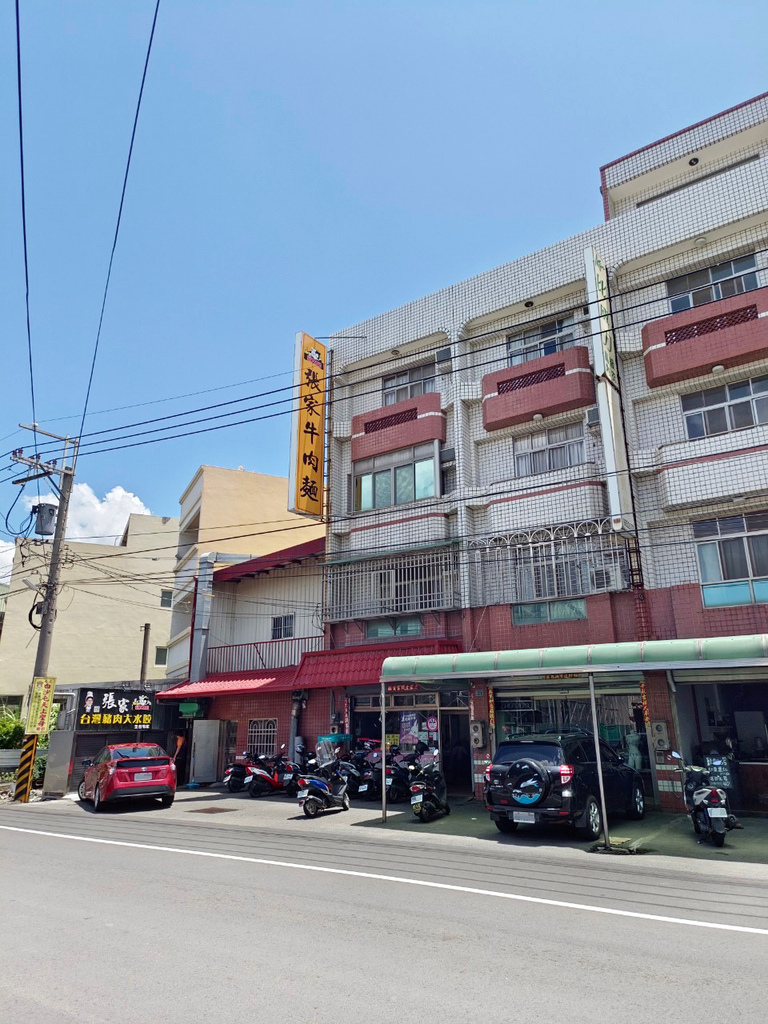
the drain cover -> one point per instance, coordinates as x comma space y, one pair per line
211, 810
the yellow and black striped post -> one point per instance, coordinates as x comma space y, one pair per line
26, 769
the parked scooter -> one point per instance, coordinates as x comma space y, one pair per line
238, 774
274, 775
428, 787
707, 805
326, 789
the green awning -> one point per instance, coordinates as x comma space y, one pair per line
651, 655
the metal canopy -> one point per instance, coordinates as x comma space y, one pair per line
725, 652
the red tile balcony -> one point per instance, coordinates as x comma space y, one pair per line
548, 385
727, 333
401, 425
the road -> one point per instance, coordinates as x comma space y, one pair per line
148, 916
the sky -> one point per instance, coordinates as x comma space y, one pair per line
299, 166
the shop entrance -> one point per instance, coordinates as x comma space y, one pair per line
456, 751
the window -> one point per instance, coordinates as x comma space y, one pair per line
541, 341
385, 629
419, 380
282, 627
727, 407
548, 611
553, 449
733, 559
161, 656
395, 478
166, 598
702, 286
262, 735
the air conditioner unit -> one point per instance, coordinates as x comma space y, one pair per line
593, 416
447, 455
443, 358
606, 577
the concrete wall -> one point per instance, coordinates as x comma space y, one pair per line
108, 593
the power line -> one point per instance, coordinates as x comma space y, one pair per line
119, 218
24, 228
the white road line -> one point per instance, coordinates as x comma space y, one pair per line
403, 881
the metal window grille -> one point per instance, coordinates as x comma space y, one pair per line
560, 561
262, 735
426, 581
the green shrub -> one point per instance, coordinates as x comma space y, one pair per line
11, 730
38, 772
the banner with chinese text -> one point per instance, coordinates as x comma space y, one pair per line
40, 705
115, 710
308, 428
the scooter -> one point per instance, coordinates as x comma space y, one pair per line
238, 774
707, 805
325, 790
429, 790
274, 775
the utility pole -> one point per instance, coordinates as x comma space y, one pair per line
66, 473
145, 650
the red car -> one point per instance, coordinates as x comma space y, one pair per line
128, 770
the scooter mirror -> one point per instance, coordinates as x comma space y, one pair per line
282, 746
678, 755
245, 753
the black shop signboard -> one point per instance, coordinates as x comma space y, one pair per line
115, 710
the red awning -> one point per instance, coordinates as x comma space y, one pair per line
275, 560
361, 666
233, 683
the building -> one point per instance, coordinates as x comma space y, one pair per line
4, 588
108, 594
523, 462
226, 516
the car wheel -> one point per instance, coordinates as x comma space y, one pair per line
98, 803
505, 825
593, 819
636, 806
81, 791
167, 799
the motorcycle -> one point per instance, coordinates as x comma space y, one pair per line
274, 775
238, 774
325, 790
428, 788
706, 805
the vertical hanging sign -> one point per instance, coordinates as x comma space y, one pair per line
308, 428
617, 482
40, 705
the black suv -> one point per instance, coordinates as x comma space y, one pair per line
552, 777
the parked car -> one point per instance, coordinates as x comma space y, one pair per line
126, 770
552, 779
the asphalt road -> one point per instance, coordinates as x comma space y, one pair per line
145, 916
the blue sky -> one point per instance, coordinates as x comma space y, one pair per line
303, 165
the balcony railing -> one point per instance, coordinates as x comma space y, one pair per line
267, 654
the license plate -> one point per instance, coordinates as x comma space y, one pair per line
303, 793
524, 817
389, 782
416, 799
142, 776
363, 788
714, 812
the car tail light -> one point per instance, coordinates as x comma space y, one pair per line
172, 766
488, 772
566, 773
112, 769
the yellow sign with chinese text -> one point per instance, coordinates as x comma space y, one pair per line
308, 433
40, 705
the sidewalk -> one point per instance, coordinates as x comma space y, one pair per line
658, 834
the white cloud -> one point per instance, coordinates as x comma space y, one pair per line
6, 559
97, 519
